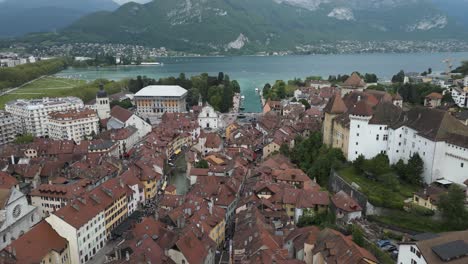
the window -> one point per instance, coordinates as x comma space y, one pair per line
413, 261
377, 137
462, 165
357, 143
385, 137
358, 126
357, 134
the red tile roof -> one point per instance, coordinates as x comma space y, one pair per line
345, 202
434, 96
33, 246
7, 181
120, 113
335, 105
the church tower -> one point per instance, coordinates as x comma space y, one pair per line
102, 103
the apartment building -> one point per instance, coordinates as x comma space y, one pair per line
7, 128
73, 124
32, 116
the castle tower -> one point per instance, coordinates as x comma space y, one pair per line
102, 103
334, 107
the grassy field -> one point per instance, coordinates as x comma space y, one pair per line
410, 221
377, 193
45, 87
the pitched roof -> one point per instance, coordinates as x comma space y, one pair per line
434, 124
7, 181
362, 108
120, 113
354, 81
426, 247
335, 105
434, 96
345, 202
33, 246
338, 248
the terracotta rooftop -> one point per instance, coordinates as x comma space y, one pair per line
345, 202
120, 113
354, 81
434, 96
35, 244
73, 114
335, 105
7, 181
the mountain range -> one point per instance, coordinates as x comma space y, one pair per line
18, 17
254, 25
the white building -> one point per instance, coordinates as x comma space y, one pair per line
31, 116
209, 118
154, 100
102, 105
460, 96
121, 118
438, 138
465, 81
16, 215
7, 128
449, 247
83, 225
73, 124
130, 178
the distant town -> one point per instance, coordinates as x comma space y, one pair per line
135, 52
340, 170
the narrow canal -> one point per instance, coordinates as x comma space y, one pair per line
178, 177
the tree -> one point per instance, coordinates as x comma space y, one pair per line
305, 103
370, 78
399, 77
24, 139
415, 170
235, 86
358, 235
220, 77
452, 207
447, 98
358, 163
202, 164
284, 149
266, 90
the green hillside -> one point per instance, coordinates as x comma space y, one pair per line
210, 25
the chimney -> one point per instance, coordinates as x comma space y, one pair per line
127, 256
359, 98
121, 182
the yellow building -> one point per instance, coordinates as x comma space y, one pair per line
150, 184
270, 149
334, 107
341, 133
217, 234
116, 213
112, 197
428, 197
231, 128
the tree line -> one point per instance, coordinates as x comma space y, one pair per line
218, 91
16, 76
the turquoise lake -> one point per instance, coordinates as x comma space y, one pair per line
253, 72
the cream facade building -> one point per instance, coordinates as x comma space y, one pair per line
155, 100
73, 124
31, 116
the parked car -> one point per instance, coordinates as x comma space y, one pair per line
382, 243
389, 248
